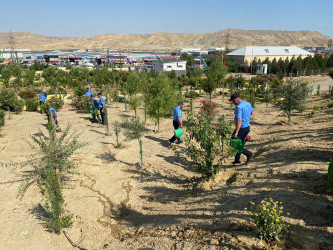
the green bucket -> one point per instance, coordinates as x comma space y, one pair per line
91, 111
237, 145
179, 132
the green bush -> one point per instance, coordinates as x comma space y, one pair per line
203, 143
31, 104
27, 94
52, 102
8, 99
267, 217
82, 103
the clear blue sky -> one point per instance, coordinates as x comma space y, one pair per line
83, 18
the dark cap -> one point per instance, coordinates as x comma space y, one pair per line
99, 94
45, 93
180, 103
233, 97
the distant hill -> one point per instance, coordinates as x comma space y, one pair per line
168, 41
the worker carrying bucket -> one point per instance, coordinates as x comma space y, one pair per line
177, 124
243, 114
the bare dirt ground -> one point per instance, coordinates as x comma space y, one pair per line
166, 205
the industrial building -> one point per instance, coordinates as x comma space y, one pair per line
169, 65
248, 54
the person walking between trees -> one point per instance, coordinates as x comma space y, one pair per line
88, 93
42, 99
95, 106
243, 113
177, 121
101, 106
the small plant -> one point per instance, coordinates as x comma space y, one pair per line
135, 102
48, 167
267, 218
134, 130
315, 108
330, 105
116, 128
208, 108
292, 96
203, 143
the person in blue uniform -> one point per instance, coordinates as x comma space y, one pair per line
95, 106
101, 106
42, 99
88, 93
243, 114
53, 113
177, 121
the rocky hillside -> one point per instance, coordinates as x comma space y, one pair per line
167, 41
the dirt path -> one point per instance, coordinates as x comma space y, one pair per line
165, 205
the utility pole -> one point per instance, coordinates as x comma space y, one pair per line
108, 57
12, 47
227, 39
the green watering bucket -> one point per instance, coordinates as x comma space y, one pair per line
179, 132
237, 144
91, 111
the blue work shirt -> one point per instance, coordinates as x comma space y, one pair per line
88, 93
177, 112
42, 97
95, 102
55, 112
243, 111
101, 102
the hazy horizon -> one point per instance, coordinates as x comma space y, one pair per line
60, 18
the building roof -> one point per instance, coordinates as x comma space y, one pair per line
171, 60
269, 51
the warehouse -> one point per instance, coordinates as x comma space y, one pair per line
248, 54
169, 65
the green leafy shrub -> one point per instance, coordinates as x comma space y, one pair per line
203, 143
27, 94
267, 218
208, 108
82, 103
31, 104
8, 99
292, 96
51, 166
53, 102
134, 130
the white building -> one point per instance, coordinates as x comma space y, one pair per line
170, 65
250, 53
